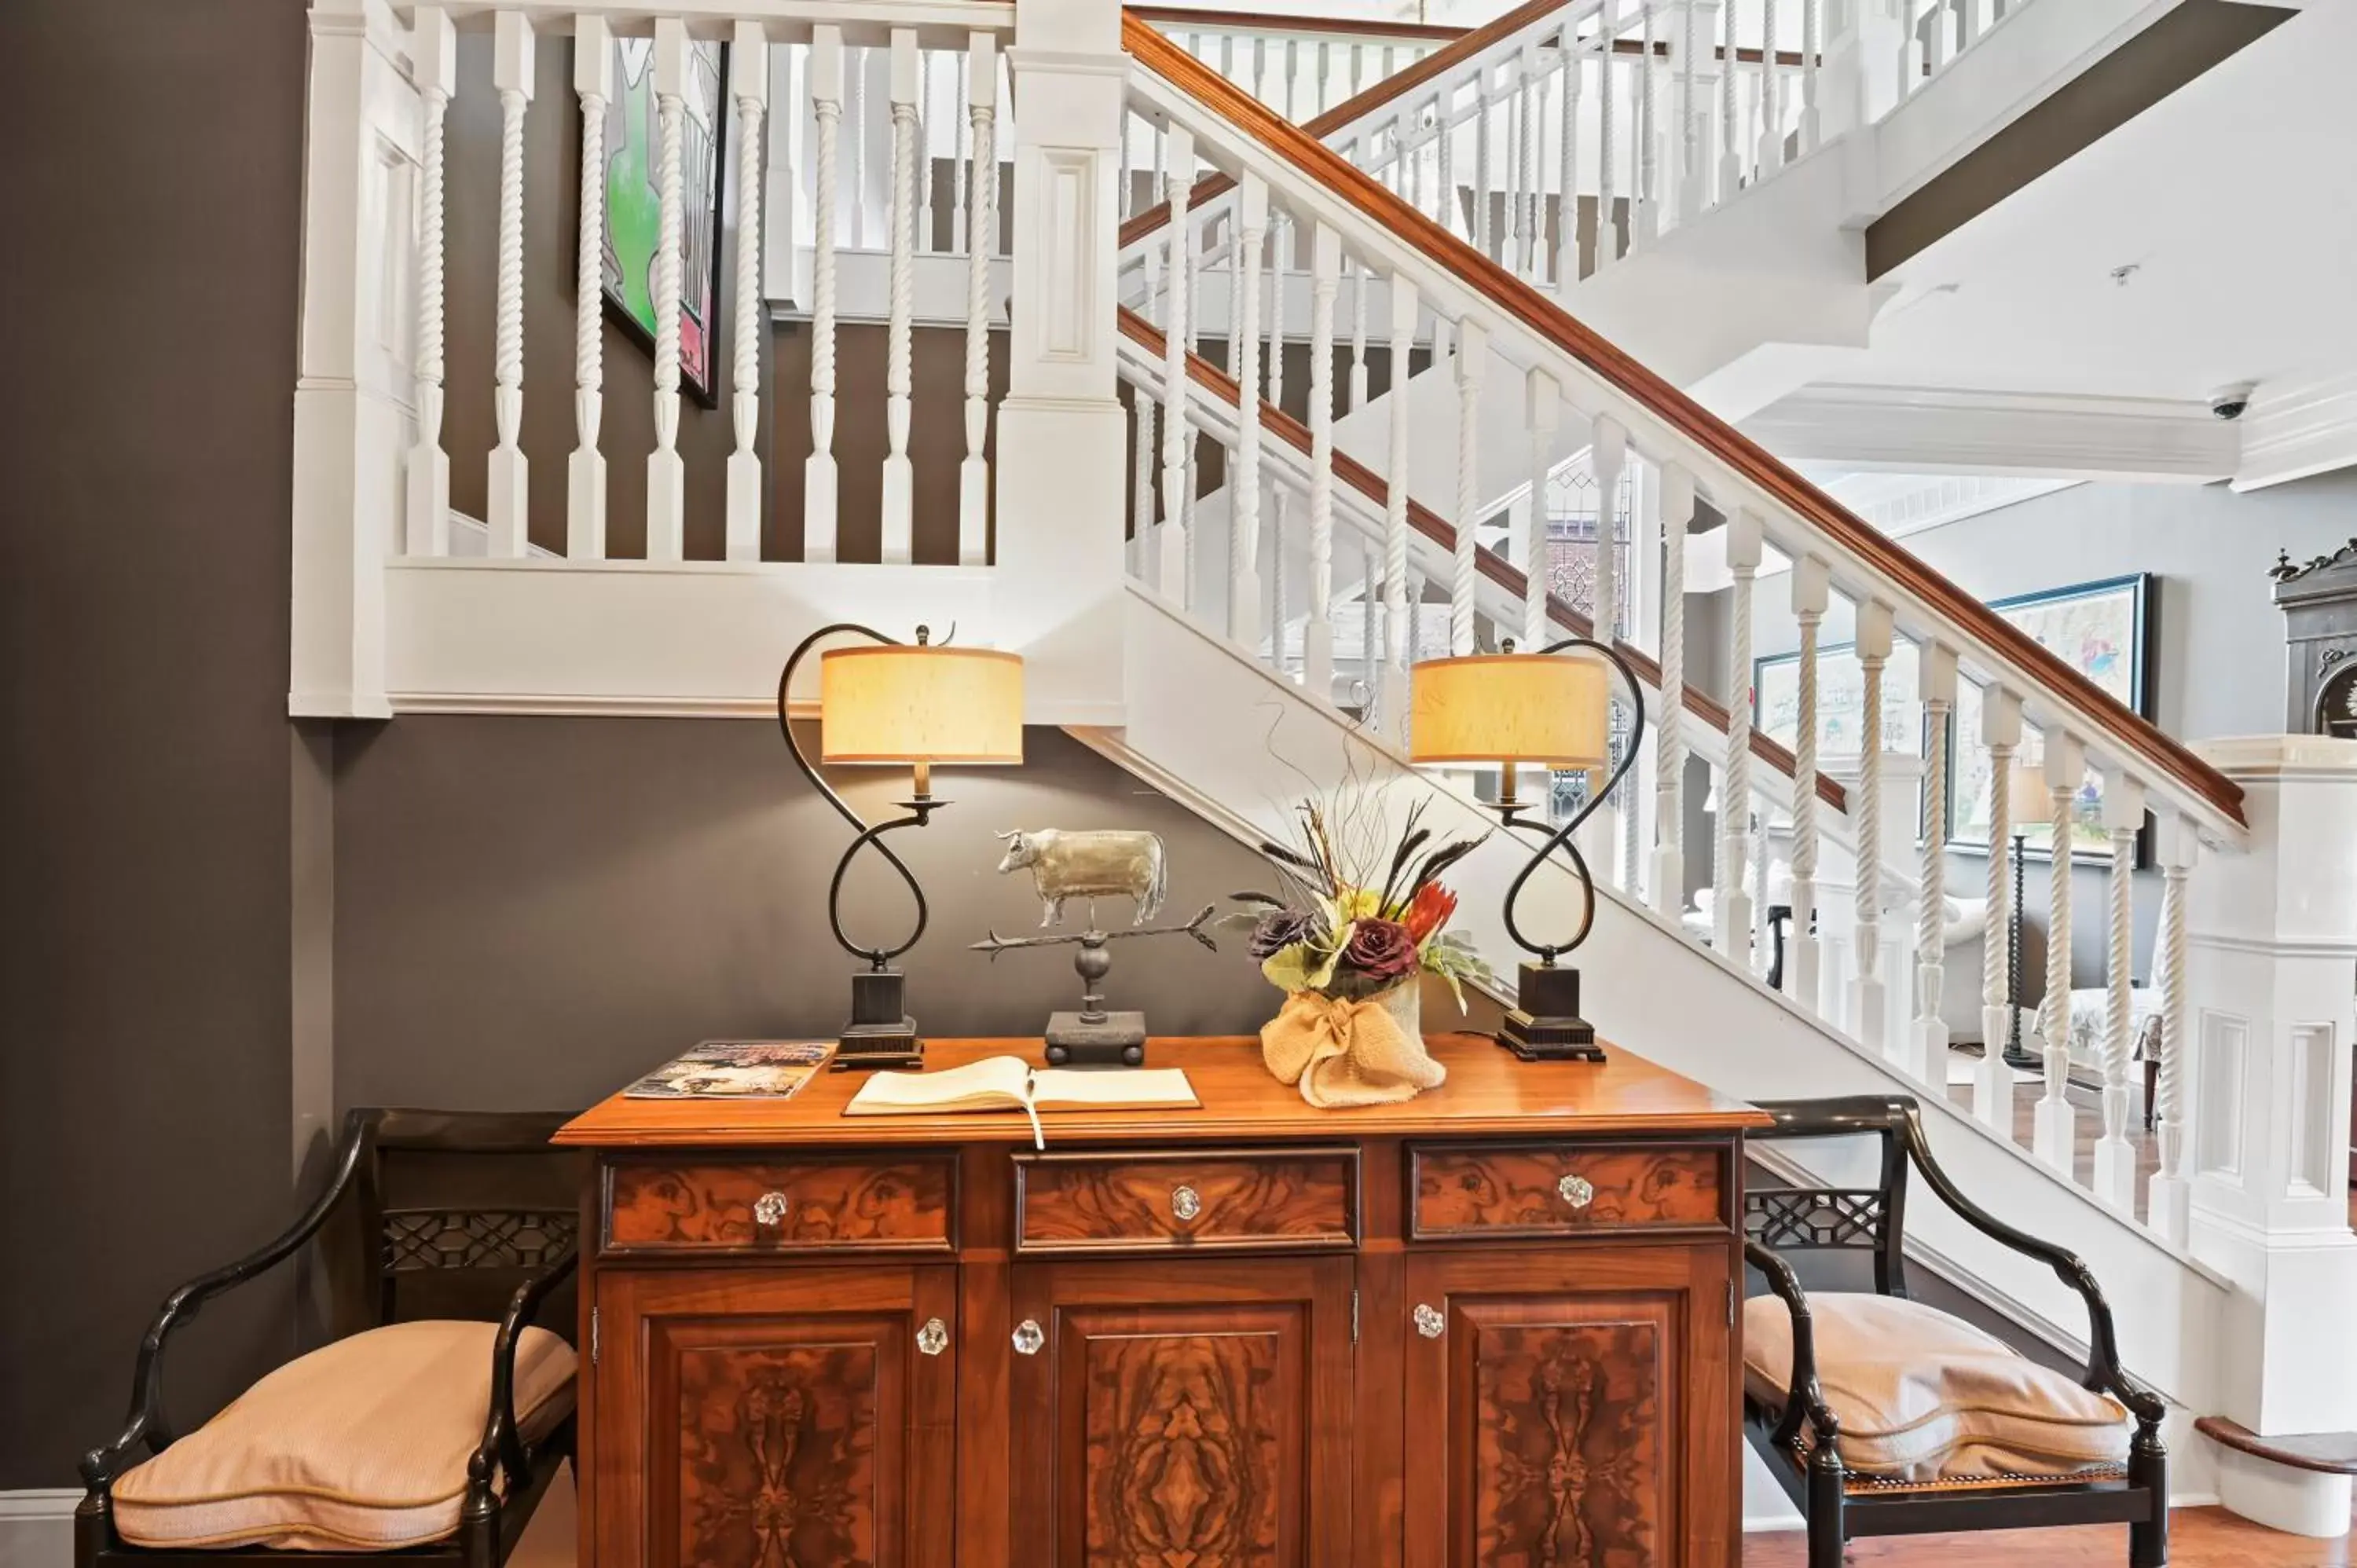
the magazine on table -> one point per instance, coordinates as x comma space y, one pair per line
736, 1069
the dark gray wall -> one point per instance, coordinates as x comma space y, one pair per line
530, 912
151, 271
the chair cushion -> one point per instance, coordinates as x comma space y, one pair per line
360, 1444
1923, 1396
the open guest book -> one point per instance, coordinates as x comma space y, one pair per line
1010, 1083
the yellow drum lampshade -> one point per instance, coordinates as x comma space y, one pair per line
920, 705
2027, 799
1547, 709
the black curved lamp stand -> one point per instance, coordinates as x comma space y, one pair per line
1546, 1025
881, 1034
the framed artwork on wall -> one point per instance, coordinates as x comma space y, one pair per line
634, 203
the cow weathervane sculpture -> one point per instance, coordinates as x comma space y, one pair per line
1091, 865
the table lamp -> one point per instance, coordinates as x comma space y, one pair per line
2027, 801
1540, 709
913, 706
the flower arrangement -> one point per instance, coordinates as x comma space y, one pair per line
1340, 929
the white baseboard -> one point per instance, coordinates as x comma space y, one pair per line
37, 1527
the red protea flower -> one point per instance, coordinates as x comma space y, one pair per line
1428, 910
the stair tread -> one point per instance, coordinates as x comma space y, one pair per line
2332, 1452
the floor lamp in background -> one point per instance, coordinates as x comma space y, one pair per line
2027, 802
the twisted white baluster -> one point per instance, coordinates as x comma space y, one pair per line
982, 220
1277, 596
855, 110
1191, 280
1317, 634
666, 476
2116, 1158
1811, 595
1542, 416
921, 165
1446, 198
1812, 130
899, 329
1368, 654
2057, 1126
1481, 163
819, 487
1771, 95
584, 472
1649, 194
1730, 164
1608, 175
1676, 491
2170, 1193
1141, 488
1360, 271
960, 194
508, 493
1398, 644
1280, 253
1730, 903
1869, 998
1693, 111
748, 61
1170, 567
1251, 227
426, 529
1472, 352
1993, 1080
1526, 102
1607, 461
1937, 669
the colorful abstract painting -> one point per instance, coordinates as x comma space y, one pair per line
634, 202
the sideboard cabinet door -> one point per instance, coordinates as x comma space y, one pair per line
789, 1416
1196, 1413
1553, 1406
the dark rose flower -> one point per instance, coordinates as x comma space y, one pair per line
1277, 930
1381, 950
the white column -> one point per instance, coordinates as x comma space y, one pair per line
2168, 1198
1869, 1008
1936, 663
436, 68
1250, 210
1398, 644
1317, 634
1676, 491
1178, 436
1993, 1080
1473, 353
748, 70
666, 476
1542, 414
2116, 1159
584, 471
1731, 905
899, 375
981, 243
2057, 1126
1812, 593
819, 490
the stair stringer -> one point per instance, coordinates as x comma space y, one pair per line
1237, 745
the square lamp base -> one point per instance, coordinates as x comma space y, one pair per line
1546, 1025
1111, 1039
880, 1034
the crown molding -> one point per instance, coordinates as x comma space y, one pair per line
2296, 431
1935, 430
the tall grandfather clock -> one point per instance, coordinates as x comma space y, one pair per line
2318, 599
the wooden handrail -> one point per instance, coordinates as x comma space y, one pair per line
1189, 19
1513, 297
1282, 426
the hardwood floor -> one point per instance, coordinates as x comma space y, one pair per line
2200, 1538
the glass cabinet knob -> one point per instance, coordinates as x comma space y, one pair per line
1185, 1201
1028, 1337
1428, 1321
933, 1337
1576, 1190
769, 1210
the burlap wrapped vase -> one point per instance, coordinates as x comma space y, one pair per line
1341, 1052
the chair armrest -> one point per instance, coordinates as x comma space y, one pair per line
503, 1443
1805, 1398
2104, 1371
147, 1423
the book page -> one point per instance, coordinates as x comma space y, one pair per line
1068, 1088
994, 1083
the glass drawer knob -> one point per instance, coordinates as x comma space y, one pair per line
1185, 1202
1428, 1321
769, 1210
1028, 1337
933, 1337
1577, 1191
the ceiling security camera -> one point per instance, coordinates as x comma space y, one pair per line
2228, 401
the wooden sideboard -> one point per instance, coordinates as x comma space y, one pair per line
1495, 1326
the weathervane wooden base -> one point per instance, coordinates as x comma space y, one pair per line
1343, 1339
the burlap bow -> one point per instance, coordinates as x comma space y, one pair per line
1346, 1053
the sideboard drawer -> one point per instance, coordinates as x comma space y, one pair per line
1470, 1191
1212, 1200
834, 1203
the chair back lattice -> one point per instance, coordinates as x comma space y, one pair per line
1798, 1216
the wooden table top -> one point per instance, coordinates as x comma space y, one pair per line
1487, 1091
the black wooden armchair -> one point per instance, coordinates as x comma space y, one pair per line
443, 1220
1792, 1421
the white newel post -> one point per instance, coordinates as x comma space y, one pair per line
666, 473
2056, 1128
818, 485
363, 135
748, 70
1937, 667
1868, 1003
1059, 427
1993, 1078
585, 470
2270, 947
434, 67
1858, 85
